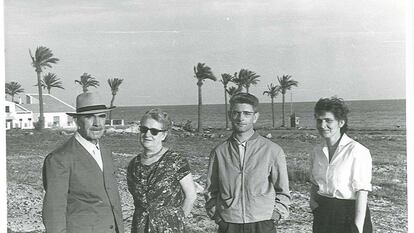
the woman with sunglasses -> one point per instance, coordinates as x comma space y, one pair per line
159, 180
340, 174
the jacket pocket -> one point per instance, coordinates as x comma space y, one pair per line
227, 200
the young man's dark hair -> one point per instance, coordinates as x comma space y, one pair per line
244, 98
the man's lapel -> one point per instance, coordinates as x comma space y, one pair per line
107, 165
85, 156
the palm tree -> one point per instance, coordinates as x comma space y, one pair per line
42, 58
272, 91
201, 73
225, 79
239, 81
233, 90
51, 80
250, 77
114, 83
285, 83
245, 78
86, 81
13, 88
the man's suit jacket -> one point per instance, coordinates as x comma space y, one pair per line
80, 198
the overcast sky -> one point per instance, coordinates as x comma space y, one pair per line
353, 49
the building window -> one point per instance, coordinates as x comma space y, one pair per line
56, 121
70, 121
7, 108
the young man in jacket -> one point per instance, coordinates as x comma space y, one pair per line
247, 182
79, 177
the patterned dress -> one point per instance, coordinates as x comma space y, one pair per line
157, 193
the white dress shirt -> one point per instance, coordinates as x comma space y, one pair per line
242, 150
93, 149
349, 171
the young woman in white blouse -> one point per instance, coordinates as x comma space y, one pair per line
340, 174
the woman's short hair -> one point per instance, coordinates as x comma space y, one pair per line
160, 116
336, 106
244, 98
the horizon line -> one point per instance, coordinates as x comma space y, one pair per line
286, 102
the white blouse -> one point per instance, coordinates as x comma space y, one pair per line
349, 171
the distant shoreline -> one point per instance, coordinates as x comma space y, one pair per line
366, 114
277, 102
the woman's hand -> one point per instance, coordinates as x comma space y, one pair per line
190, 194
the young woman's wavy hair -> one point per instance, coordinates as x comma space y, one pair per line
336, 106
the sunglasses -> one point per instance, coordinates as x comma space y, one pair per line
153, 131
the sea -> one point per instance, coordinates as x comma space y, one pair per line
364, 114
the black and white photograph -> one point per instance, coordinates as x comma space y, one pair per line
250, 116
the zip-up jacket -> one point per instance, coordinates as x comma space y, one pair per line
256, 191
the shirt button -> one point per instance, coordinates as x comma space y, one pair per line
111, 227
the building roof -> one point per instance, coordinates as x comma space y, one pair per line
20, 108
13, 115
50, 104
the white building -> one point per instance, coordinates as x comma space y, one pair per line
54, 111
18, 117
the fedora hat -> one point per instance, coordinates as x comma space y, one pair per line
89, 103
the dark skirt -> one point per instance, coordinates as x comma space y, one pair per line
337, 216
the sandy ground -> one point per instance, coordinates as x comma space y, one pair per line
26, 151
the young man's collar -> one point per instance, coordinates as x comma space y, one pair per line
252, 137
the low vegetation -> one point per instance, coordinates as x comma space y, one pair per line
388, 201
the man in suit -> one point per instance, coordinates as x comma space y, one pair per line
78, 177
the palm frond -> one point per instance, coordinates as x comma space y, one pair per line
114, 84
43, 57
203, 72
246, 78
86, 80
12, 88
286, 83
226, 78
272, 90
233, 90
51, 80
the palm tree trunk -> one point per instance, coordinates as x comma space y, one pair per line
225, 104
84, 89
283, 110
41, 120
12, 98
48, 91
110, 112
199, 128
247, 89
273, 115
